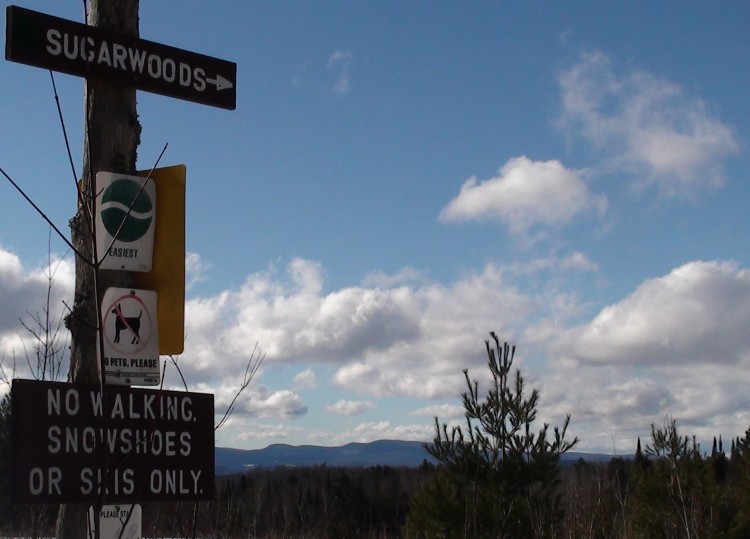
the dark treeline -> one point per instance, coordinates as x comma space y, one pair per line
317, 501
497, 477
671, 495
668, 490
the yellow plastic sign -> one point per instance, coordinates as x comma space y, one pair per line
167, 275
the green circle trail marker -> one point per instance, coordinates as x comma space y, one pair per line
125, 221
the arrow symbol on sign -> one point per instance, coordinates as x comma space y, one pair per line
221, 83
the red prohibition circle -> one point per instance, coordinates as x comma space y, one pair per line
142, 342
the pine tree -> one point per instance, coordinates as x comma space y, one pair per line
497, 478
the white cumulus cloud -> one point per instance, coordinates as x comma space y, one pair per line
23, 297
442, 411
645, 124
280, 404
195, 269
525, 193
347, 407
385, 430
340, 64
403, 340
306, 379
677, 344
699, 310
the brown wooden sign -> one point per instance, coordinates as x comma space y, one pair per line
72, 445
49, 42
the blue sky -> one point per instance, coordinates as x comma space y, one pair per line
400, 179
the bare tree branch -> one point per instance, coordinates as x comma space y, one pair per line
42, 214
253, 364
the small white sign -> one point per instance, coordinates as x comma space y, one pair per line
131, 337
117, 521
125, 221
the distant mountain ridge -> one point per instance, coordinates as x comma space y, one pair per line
379, 453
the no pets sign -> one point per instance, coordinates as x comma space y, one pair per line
131, 337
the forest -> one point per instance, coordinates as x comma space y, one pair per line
496, 476
673, 495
